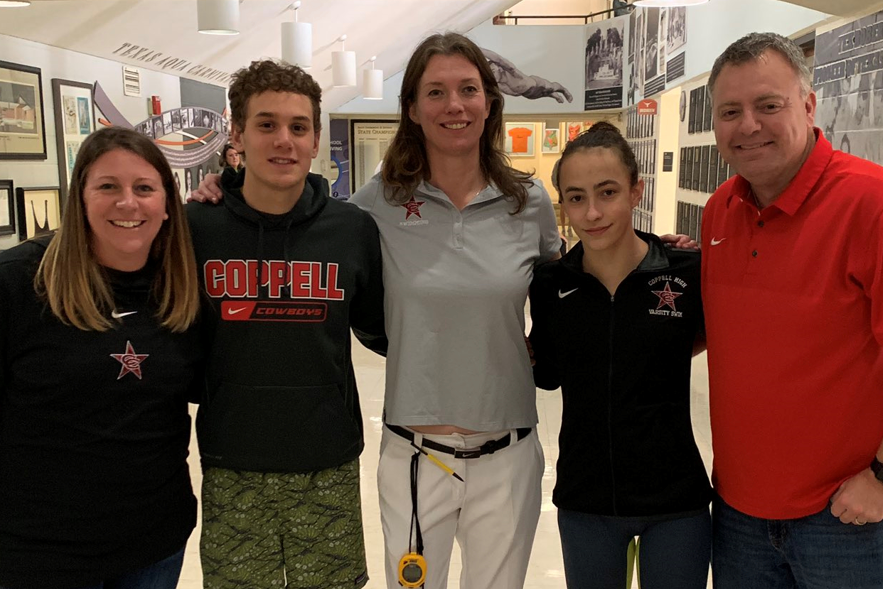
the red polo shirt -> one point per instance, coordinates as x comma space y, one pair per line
793, 298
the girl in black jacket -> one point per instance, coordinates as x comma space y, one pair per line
614, 325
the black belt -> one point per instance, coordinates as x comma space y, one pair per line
488, 447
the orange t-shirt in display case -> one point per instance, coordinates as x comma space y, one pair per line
519, 137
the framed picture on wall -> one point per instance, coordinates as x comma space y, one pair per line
551, 139
520, 139
74, 121
39, 211
7, 208
22, 127
573, 131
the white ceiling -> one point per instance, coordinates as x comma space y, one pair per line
836, 7
389, 29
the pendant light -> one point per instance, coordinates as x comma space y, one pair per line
218, 17
297, 41
343, 66
372, 82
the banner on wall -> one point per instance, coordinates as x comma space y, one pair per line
659, 59
339, 174
604, 63
848, 81
371, 139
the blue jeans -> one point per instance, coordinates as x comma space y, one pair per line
674, 553
159, 575
813, 552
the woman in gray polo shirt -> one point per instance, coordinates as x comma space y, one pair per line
461, 232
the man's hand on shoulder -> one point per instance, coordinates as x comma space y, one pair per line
683, 242
859, 499
209, 190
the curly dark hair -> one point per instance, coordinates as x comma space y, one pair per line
406, 163
601, 134
270, 75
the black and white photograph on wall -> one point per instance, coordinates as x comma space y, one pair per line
513, 81
167, 123
633, 83
158, 132
185, 118
633, 22
176, 120
676, 29
651, 44
144, 128
604, 62
639, 55
848, 81
697, 163
663, 29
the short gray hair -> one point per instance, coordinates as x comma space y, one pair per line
752, 46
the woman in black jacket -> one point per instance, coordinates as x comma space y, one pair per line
98, 358
615, 323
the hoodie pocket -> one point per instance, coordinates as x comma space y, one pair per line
278, 429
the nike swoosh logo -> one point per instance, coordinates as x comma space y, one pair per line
717, 241
561, 295
116, 315
234, 311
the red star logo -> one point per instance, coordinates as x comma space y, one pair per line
413, 207
666, 297
130, 360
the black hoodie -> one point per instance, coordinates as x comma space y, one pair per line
280, 388
623, 362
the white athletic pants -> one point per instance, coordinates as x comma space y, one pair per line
493, 514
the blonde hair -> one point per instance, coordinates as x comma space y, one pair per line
70, 278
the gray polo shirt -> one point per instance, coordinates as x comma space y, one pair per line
456, 284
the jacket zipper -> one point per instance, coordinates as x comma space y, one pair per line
610, 406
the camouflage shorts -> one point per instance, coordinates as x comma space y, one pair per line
264, 530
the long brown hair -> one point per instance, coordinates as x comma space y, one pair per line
70, 277
406, 163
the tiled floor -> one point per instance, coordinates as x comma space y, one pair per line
545, 570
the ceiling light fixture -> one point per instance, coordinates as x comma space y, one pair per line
372, 82
14, 3
667, 3
218, 17
343, 66
297, 41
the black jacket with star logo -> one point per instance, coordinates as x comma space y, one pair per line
623, 362
94, 434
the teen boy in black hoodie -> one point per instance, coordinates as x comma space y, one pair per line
287, 272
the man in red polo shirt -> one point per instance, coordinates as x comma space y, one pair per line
792, 283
